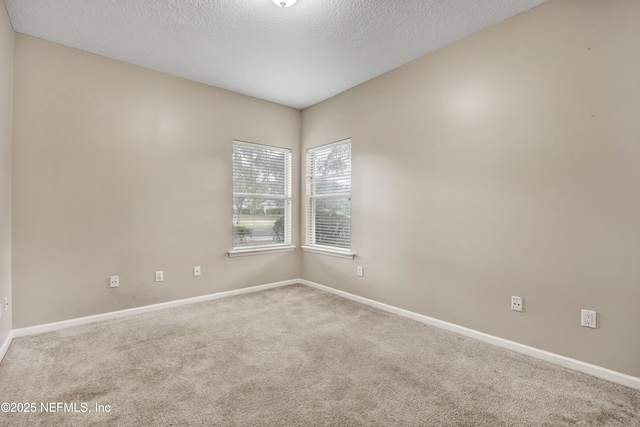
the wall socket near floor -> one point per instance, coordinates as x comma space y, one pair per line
4, 306
196, 271
516, 303
588, 318
159, 276
360, 271
114, 281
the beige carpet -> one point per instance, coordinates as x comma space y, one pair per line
294, 356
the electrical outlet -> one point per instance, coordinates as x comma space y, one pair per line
516, 303
6, 304
588, 318
114, 281
360, 271
159, 276
196, 271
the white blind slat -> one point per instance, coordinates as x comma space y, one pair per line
261, 195
328, 173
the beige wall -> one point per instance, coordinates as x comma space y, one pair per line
505, 164
119, 170
6, 95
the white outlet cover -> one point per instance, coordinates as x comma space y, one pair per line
588, 318
516, 303
159, 276
114, 281
196, 270
360, 271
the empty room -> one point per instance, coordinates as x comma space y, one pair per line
320, 213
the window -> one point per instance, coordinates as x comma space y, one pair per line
261, 197
329, 198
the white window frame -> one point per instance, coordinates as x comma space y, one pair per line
278, 247
310, 245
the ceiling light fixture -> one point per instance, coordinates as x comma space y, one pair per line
283, 3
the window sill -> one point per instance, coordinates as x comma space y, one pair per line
329, 251
259, 251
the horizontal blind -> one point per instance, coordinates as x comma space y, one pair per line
328, 201
261, 195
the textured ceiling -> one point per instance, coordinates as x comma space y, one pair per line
296, 56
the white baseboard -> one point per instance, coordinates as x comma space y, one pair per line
5, 345
577, 365
48, 327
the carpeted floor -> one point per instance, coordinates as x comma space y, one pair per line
294, 356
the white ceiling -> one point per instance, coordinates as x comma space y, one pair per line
296, 56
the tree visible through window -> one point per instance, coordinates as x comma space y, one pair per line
261, 195
329, 195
